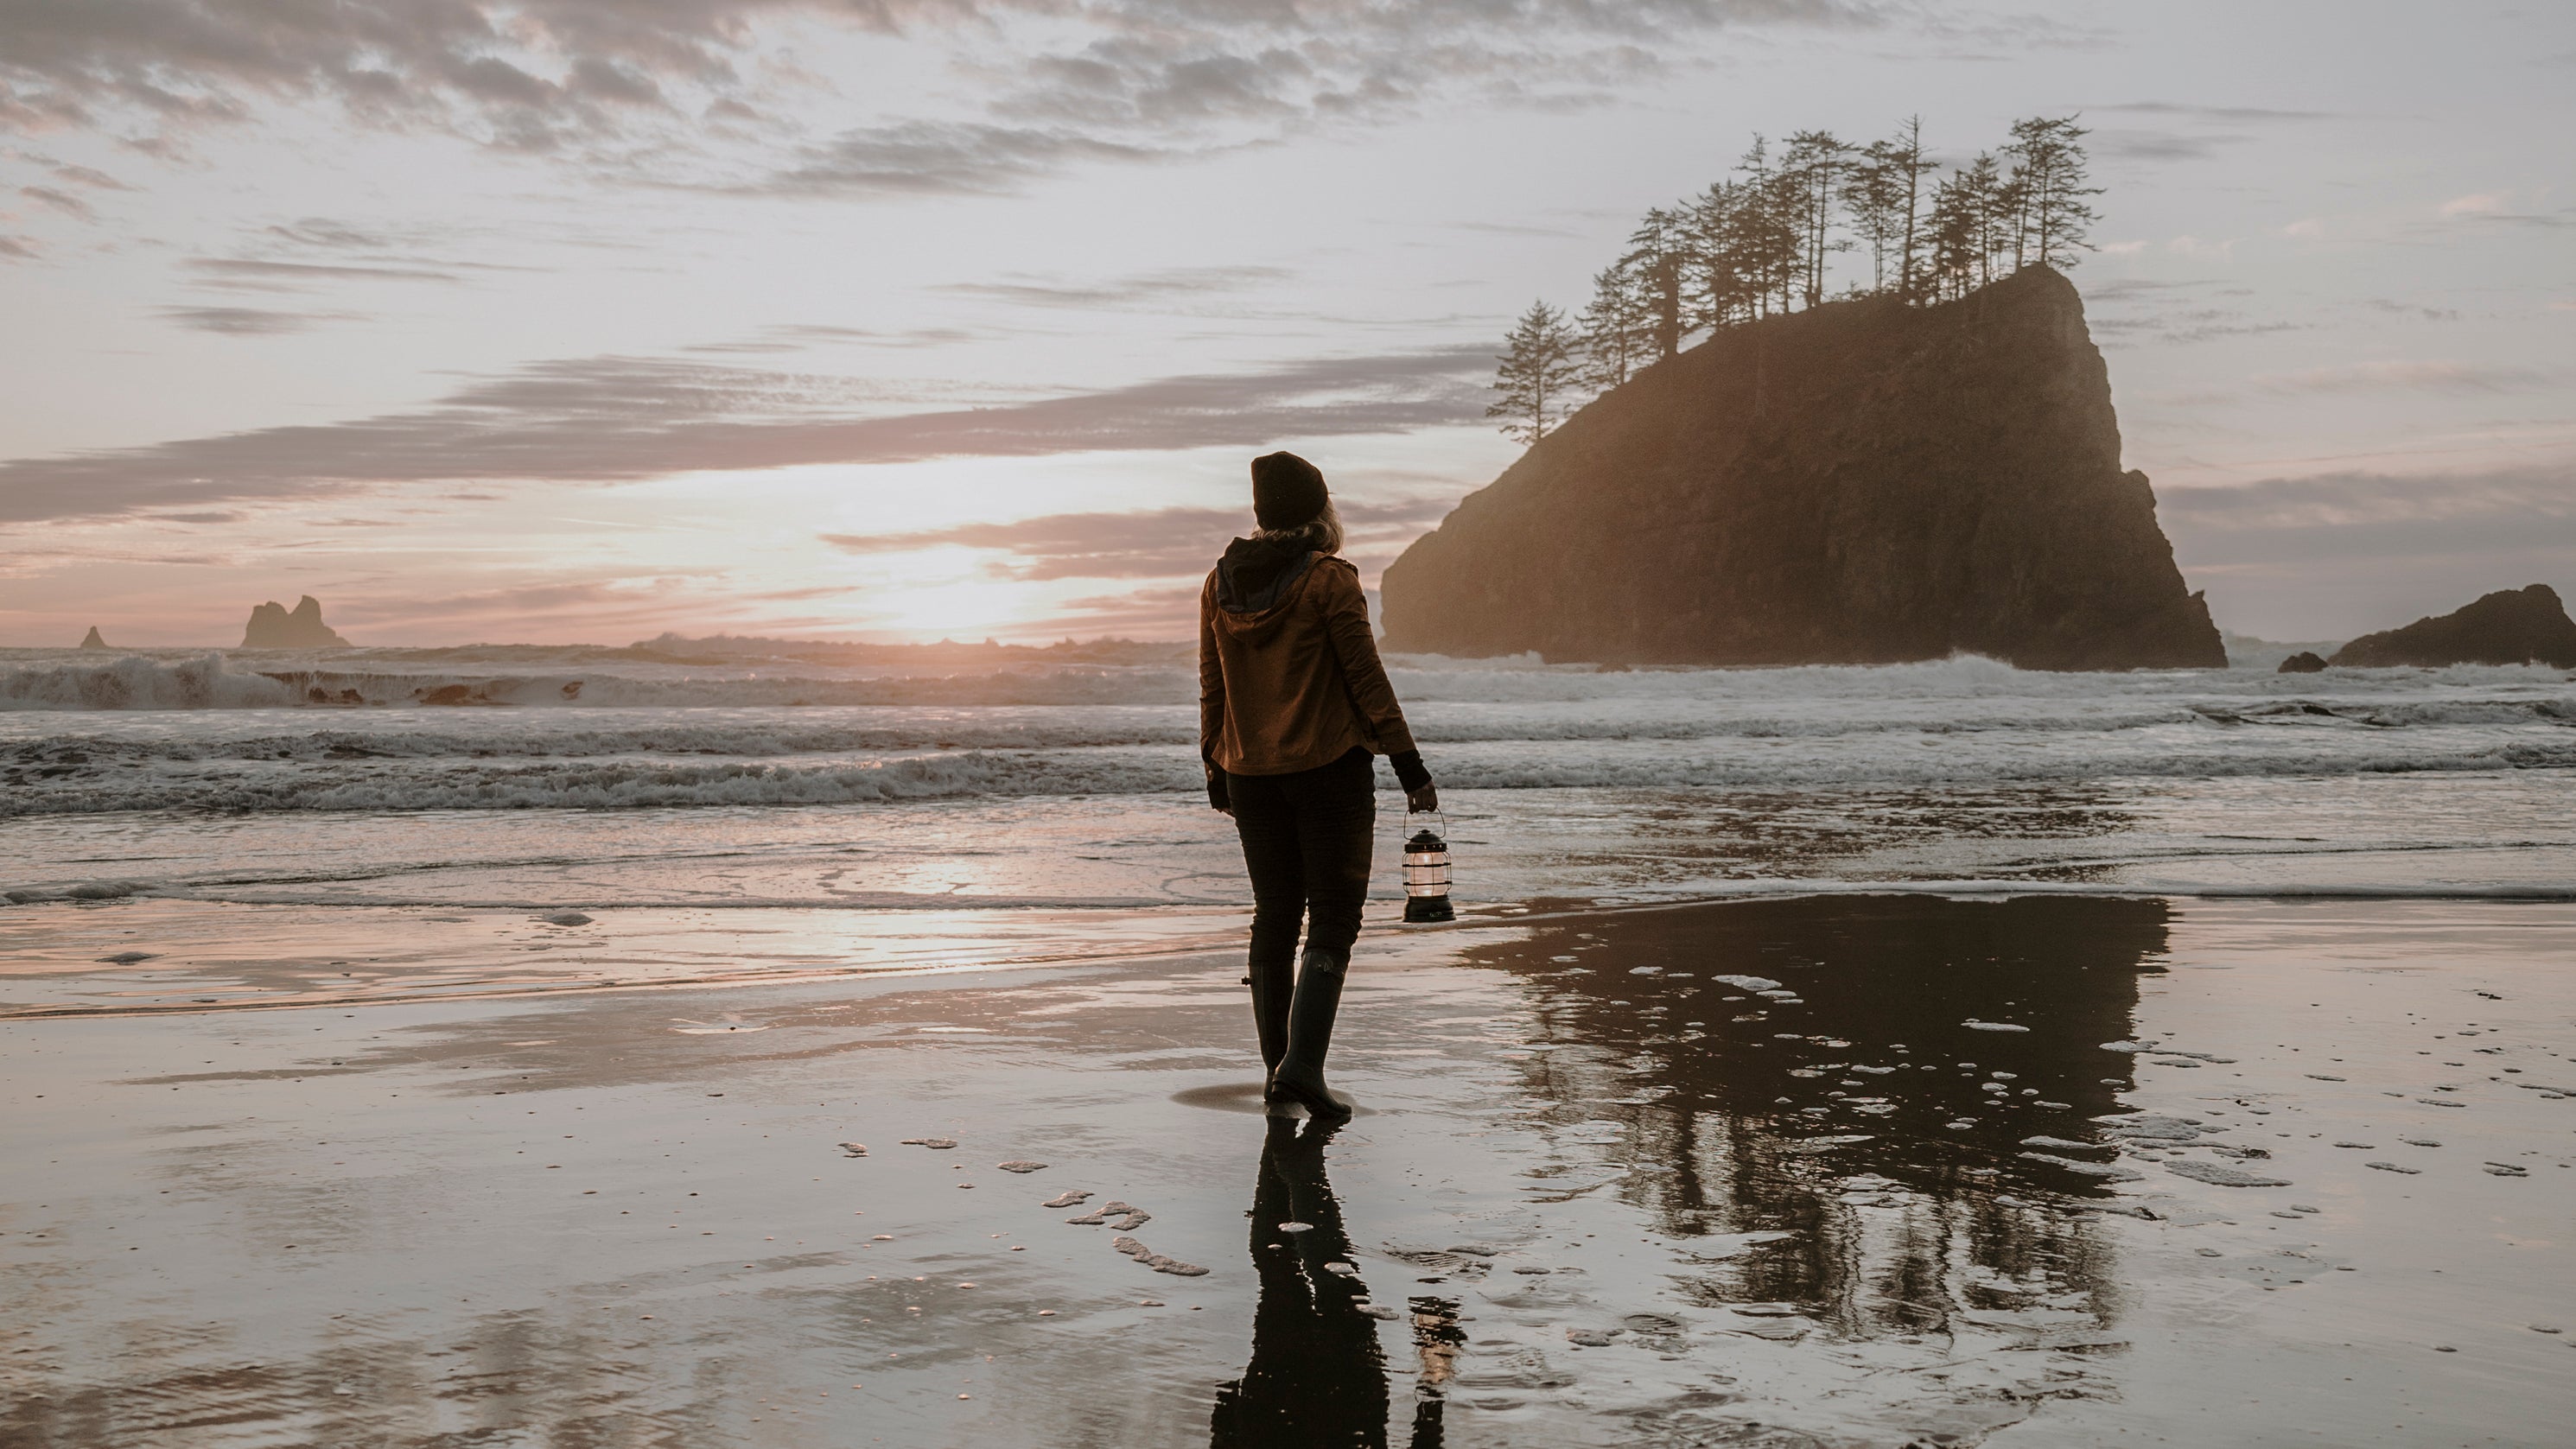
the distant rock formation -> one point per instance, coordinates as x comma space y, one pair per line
91, 639
2306, 661
272, 627
2509, 626
1862, 483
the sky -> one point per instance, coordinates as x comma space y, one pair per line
583, 320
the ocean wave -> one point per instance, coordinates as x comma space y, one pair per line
578, 678
396, 785
603, 785
217, 682
747, 733
135, 682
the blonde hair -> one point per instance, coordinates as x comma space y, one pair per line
1319, 534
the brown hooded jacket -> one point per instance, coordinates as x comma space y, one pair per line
1289, 677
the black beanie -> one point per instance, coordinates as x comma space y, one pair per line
1287, 491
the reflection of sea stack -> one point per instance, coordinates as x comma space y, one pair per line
272, 627
1860, 483
92, 641
2509, 626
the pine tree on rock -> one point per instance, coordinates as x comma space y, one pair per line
1539, 372
2049, 171
1618, 329
1760, 243
1813, 167
1659, 257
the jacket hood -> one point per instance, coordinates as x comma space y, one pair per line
1256, 572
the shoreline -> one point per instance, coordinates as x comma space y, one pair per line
1588, 1217
53, 941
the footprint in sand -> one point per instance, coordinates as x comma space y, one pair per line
1156, 1261
1130, 1218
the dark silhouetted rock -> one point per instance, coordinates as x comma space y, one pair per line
1862, 483
2510, 626
2306, 661
91, 639
272, 627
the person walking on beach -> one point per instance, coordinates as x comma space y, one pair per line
1293, 703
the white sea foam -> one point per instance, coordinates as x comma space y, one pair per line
597, 729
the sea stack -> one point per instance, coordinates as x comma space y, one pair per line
272, 627
2509, 626
1865, 482
91, 639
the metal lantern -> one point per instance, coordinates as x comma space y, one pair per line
1426, 878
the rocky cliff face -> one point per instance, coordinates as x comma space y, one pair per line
2509, 626
272, 627
1863, 483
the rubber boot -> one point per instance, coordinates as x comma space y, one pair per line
1318, 998
1273, 983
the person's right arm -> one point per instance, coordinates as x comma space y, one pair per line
1346, 625
1211, 701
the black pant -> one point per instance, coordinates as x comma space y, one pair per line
1306, 840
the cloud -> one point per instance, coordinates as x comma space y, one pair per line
62, 201
617, 419
2131, 144
2127, 289
1124, 291
2367, 515
1152, 543
2436, 377
2136, 143
1138, 613
2181, 324
513, 603
2491, 207
2411, 309
17, 248
2234, 115
799, 337
2545, 219
283, 275
935, 158
86, 176
1158, 543
246, 321
524, 75
1052, 83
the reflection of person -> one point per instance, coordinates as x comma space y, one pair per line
1292, 703
1317, 1375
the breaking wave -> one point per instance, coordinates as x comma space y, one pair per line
401, 730
588, 678
215, 682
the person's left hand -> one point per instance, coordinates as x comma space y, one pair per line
1423, 800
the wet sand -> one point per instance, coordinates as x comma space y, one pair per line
1602, 1195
